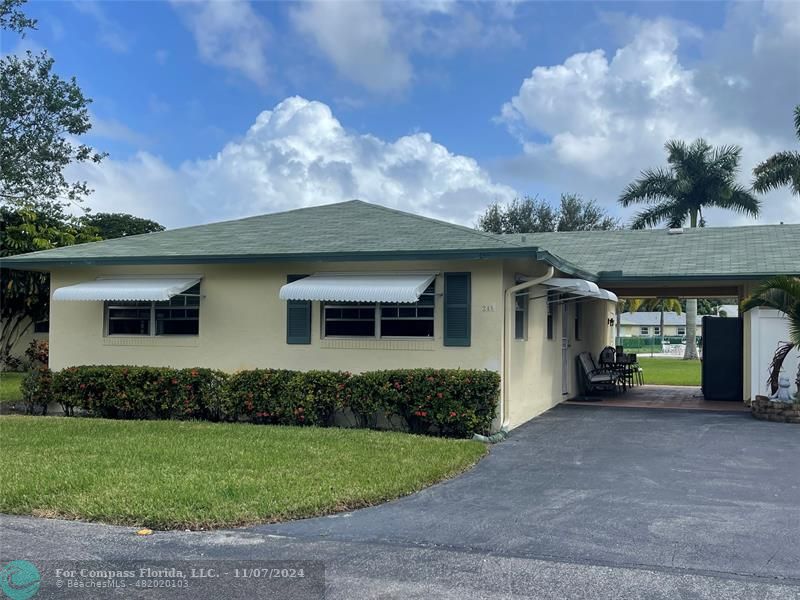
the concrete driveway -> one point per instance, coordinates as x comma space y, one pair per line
582, 502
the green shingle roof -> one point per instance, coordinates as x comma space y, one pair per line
357, 230
708, 252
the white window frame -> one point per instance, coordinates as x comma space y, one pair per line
657, 330
644, 331
111, 305
378, 317
521, 307
681, 331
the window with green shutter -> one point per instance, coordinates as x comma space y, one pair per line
457, 311
298, 318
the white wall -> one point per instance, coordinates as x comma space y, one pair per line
767, 329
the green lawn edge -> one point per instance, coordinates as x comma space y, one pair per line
197, 475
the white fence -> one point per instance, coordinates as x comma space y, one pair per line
768, 328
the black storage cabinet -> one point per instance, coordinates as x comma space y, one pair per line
723, 361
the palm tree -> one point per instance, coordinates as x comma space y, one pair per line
781, 293
698, 176
782, 168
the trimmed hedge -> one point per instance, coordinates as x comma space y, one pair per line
446, 402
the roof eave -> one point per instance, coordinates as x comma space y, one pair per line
35, 263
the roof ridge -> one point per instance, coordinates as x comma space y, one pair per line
464, 228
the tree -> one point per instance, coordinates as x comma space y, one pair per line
115, 225
698, 176
534, 215
12, 19
577, 214
41, 114
781, 293
782, 168
26, 294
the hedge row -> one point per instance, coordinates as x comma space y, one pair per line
446, 402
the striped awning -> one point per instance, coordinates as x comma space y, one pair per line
358, 287
152, 289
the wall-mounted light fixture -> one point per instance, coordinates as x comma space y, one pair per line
611, 321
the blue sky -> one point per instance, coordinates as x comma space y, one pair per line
437, 107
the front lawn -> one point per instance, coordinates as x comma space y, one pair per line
670, 371
170, 474
9, 387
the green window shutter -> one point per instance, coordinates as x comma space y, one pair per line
298, 318
457, 310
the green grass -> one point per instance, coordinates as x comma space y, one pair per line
171, 474
670, 371
9, 387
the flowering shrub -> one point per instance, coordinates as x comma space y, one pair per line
38, 353
450, 402
141, 392
36, 390
261, 396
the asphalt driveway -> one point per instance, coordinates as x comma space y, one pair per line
582, 502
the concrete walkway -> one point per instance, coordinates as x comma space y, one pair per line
663, 396
582, 502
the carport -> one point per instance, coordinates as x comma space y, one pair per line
727, 262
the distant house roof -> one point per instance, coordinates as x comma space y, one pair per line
646, 318
357, 230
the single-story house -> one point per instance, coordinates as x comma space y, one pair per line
357, 286
648, 324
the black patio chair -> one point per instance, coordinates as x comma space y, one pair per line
596, 379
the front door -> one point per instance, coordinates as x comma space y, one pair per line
564, 351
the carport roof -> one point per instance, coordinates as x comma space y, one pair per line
357, 230
746, 252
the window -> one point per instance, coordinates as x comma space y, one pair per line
578, 320
364, 319
41, 327
681, 330
521, 316
644, 331
551, 298
656, 330
180, 315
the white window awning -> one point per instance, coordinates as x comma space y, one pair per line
131, 289
577, 287
358, 287
606, 295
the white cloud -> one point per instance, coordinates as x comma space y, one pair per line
297, 154
229, 34
109, 33
112, 129
357, 38
371, 43
593, 122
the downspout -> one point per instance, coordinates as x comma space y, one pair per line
508, 309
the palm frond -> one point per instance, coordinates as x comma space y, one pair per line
781, 293
739, 200
653, 185
797, 120
778, 170
655, 215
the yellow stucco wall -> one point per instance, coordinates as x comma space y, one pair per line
243, 326
243, 323
535, 363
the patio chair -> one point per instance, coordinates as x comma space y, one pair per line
595, 379
608, 355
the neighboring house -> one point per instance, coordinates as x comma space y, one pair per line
33, 331
356, 286
648, 324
